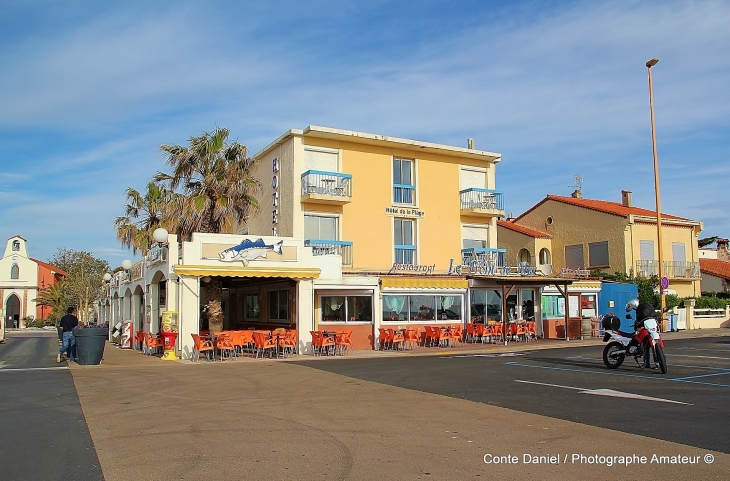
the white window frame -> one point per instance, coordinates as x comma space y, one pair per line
325, 150
331, 215
414, 177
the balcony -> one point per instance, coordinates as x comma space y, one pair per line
483, 202
404, 194
326, 187
137, 271
156, 255
405, 254
483, 255
672, 269
331, 248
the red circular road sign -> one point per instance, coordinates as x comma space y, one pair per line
665, 283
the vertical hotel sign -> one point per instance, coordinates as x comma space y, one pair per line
275, 197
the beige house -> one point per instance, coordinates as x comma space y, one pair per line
612, 236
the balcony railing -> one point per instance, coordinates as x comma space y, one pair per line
481, 199
404, 194
485, 255
332, 184
672, 269
156, 255
405, 254
331, 247
682, 269
137, 270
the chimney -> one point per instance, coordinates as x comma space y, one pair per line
626, 198
470, 143
722, 252
577, 194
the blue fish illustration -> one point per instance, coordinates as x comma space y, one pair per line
247, 251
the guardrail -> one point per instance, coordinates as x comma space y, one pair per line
331, 247
326, 183
475, 198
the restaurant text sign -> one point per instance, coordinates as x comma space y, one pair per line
481, 267
412, 268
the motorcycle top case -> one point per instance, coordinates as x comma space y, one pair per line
611, 323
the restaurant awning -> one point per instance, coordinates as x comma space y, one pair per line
423, 283
241, 271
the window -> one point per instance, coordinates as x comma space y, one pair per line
422, 308
15, 272
472, 177
485, 305
553, 306
279, 306
251, 306
574, 256
474, 236
598, 254
646, 248
405, 242
16, 245
678, 252
320, 158
347, 308
544, 256
320, 227
403, 182
524, 257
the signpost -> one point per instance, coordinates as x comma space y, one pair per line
665, 283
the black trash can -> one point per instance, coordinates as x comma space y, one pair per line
90, 344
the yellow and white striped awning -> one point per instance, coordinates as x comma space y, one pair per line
241, 271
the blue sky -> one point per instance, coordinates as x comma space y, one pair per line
89, 91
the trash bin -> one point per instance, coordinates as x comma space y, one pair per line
90, 344
672, 322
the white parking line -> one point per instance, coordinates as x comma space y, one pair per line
59, 368
607, 392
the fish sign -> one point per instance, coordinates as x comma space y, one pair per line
249, 250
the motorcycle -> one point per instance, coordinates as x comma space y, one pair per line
644, 340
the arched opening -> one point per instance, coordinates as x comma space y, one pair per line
545, 256
524, 256
15, 272
12, 311
16, 245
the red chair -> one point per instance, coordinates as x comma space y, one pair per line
396, 338
344, 341
288, 342
153, 343
262, 342
224, 343
200, 345
412, 337
385, 340
457, 334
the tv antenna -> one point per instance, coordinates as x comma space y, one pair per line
578, 183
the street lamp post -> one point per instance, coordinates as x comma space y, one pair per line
649, 65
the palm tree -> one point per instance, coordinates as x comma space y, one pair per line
216, 194
143, 214
56, 297
215, 182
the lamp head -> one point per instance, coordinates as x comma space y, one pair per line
126, 264
160, 235
107, 277
652, 62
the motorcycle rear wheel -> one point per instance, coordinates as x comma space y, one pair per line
660, 358
612, 361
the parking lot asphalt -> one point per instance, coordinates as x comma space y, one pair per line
687, 405
43, 433
395, 417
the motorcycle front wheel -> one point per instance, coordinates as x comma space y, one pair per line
660, 358
610, 358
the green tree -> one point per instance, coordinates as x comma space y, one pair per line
55, 297
82, 285
142, 215
216, 187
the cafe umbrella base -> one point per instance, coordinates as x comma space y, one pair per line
90, 344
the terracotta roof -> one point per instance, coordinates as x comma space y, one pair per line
615, 208
49, 266
20, 237
715, 267
523, 230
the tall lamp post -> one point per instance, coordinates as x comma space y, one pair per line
649, 65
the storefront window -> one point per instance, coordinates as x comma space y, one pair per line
485, 303
279, 306
422, 308
346, 308
252, 306
553, 306
494, 306
588, 306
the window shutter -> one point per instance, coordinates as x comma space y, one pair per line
646, 250
598, 253
472, 178
320, 160
475, 233
574, 256
678, 252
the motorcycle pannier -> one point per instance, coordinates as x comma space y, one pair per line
611, 323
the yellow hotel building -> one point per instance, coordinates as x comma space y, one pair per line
356, 231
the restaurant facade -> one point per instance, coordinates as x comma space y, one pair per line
357, 231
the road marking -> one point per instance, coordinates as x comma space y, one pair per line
501, 354
604, 373
703, 349
701, 357
702, 375
714, 368
59, 368
607, 392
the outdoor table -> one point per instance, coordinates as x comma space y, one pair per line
333, 335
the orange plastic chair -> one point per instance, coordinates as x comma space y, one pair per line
263, 342
288, 342
497, 332
531, 331
470, 332
200, 345
457, 334
411, 337
153, 343
224, 344
428, 340
385, 340
316, 341
396, 338
245, 338
139, 337
344, 341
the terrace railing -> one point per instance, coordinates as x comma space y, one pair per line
485, 199
333, 184
331, 247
